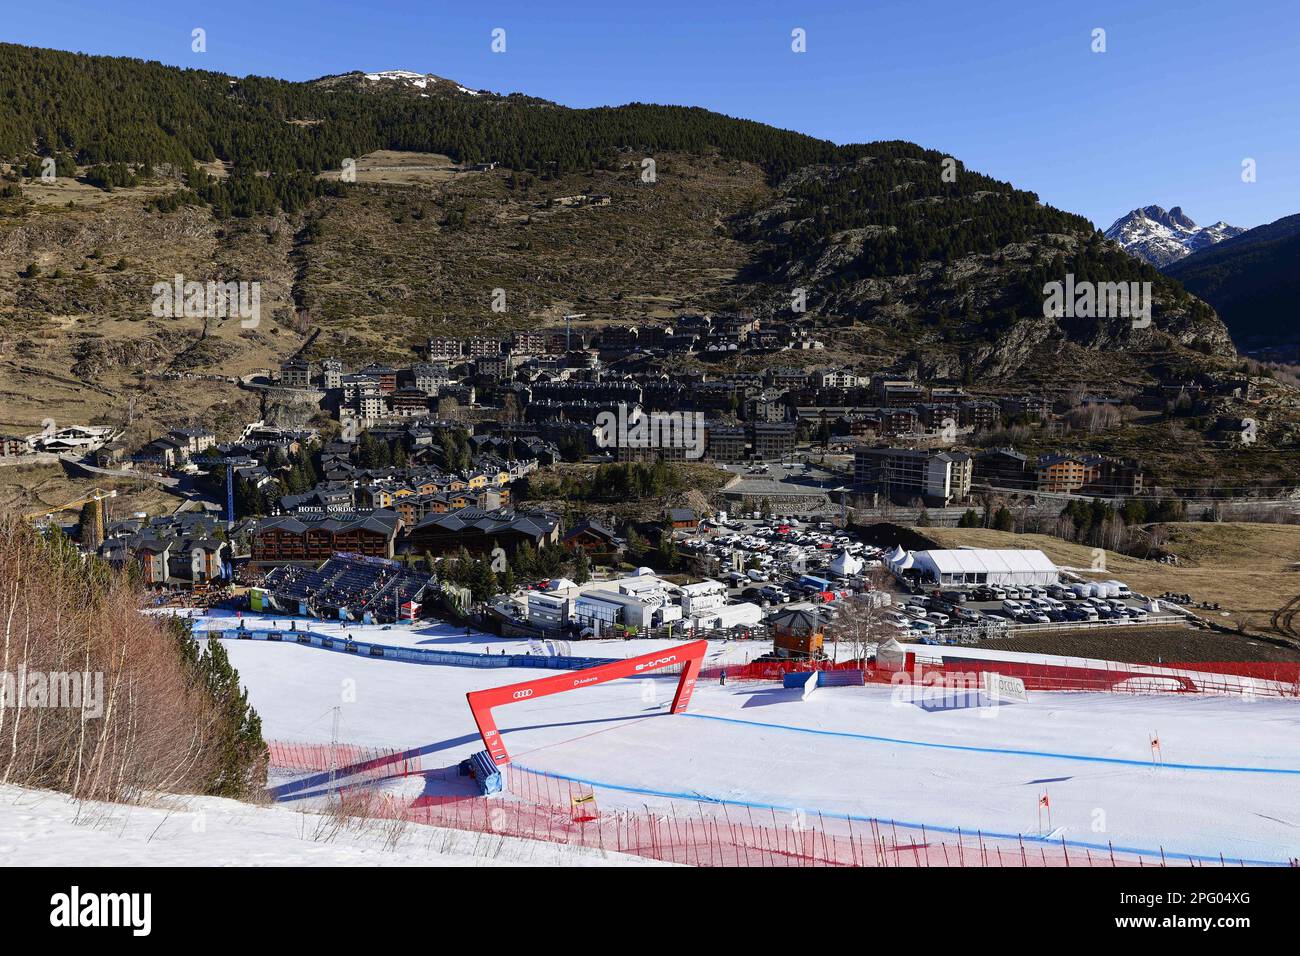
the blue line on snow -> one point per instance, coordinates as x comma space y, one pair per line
994, 750
704, 798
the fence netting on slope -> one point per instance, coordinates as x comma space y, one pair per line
1232, 678
545, 807
348, 764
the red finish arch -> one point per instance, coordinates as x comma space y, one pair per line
689, 656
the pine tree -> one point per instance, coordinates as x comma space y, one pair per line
581, 567
241, 766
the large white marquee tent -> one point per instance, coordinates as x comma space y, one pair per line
1003, 566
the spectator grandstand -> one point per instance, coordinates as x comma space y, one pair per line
347, 587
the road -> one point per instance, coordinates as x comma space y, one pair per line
121, 473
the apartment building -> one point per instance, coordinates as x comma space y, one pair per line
937, 477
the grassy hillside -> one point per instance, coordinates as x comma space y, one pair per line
883, 241
163, 171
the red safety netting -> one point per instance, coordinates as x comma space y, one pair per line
1241, 679
775, 670
540, 806
348, 761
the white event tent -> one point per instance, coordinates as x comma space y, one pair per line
1001, 566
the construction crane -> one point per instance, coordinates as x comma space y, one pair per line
94, 496
231, 464
568, 322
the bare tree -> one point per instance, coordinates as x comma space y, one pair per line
862, 621
108, 708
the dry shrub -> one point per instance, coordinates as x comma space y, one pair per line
169, 719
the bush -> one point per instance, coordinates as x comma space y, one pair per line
170, 717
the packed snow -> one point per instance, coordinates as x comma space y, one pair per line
444, 636
1225, 778
43, 828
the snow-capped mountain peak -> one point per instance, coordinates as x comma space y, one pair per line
1163, 236
405, 78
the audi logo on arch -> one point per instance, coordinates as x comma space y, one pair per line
688, 658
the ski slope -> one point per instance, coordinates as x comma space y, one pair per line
45, 828
1229, 781
444, 636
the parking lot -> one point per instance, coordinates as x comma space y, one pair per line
792, 479
787, 555
805, 560
1006, 608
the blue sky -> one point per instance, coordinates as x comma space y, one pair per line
1184, 92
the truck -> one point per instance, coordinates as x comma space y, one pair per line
810, 581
